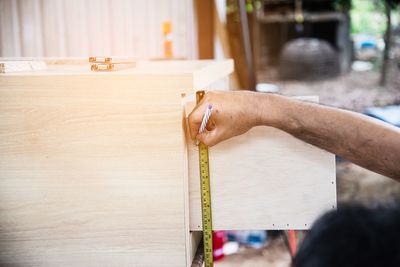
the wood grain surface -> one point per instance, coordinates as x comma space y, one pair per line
92, 166
264, 179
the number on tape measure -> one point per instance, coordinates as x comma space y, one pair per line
205, 195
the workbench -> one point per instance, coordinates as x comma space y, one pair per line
97, 169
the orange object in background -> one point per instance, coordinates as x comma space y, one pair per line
292, 242
167, 33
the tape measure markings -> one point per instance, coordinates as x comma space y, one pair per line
205, 195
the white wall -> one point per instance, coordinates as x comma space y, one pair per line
53, 28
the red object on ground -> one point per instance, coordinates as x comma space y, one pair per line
292, 242
218, 244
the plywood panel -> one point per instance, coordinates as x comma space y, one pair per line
79, 171
264, 179
93, 166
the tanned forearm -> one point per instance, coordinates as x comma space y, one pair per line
365, 141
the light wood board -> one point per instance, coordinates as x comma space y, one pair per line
93, 169
264, 179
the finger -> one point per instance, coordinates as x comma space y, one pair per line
210, 124
195, 118
210, 138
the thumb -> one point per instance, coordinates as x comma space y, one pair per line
194, 120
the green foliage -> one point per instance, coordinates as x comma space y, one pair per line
367, 16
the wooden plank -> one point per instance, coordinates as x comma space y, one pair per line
193, 75
264, 179
92, 166
308, 17
248, 53
213, 71
221, 34
205, 28
75, 183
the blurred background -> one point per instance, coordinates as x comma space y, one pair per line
73, 28
345, 51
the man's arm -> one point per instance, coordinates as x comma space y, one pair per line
365, 141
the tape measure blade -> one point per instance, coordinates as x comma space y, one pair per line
206, 205
205, 195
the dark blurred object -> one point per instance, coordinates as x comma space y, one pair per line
273, 234
353, 236
389, 5
308, 59
310, 5
239, 21
393, 3
278, 22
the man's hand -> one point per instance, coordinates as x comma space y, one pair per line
233, 113
365, 141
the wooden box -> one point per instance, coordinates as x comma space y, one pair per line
96, 168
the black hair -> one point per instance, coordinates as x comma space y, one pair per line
353, 236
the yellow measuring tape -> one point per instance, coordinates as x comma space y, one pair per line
205, 194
